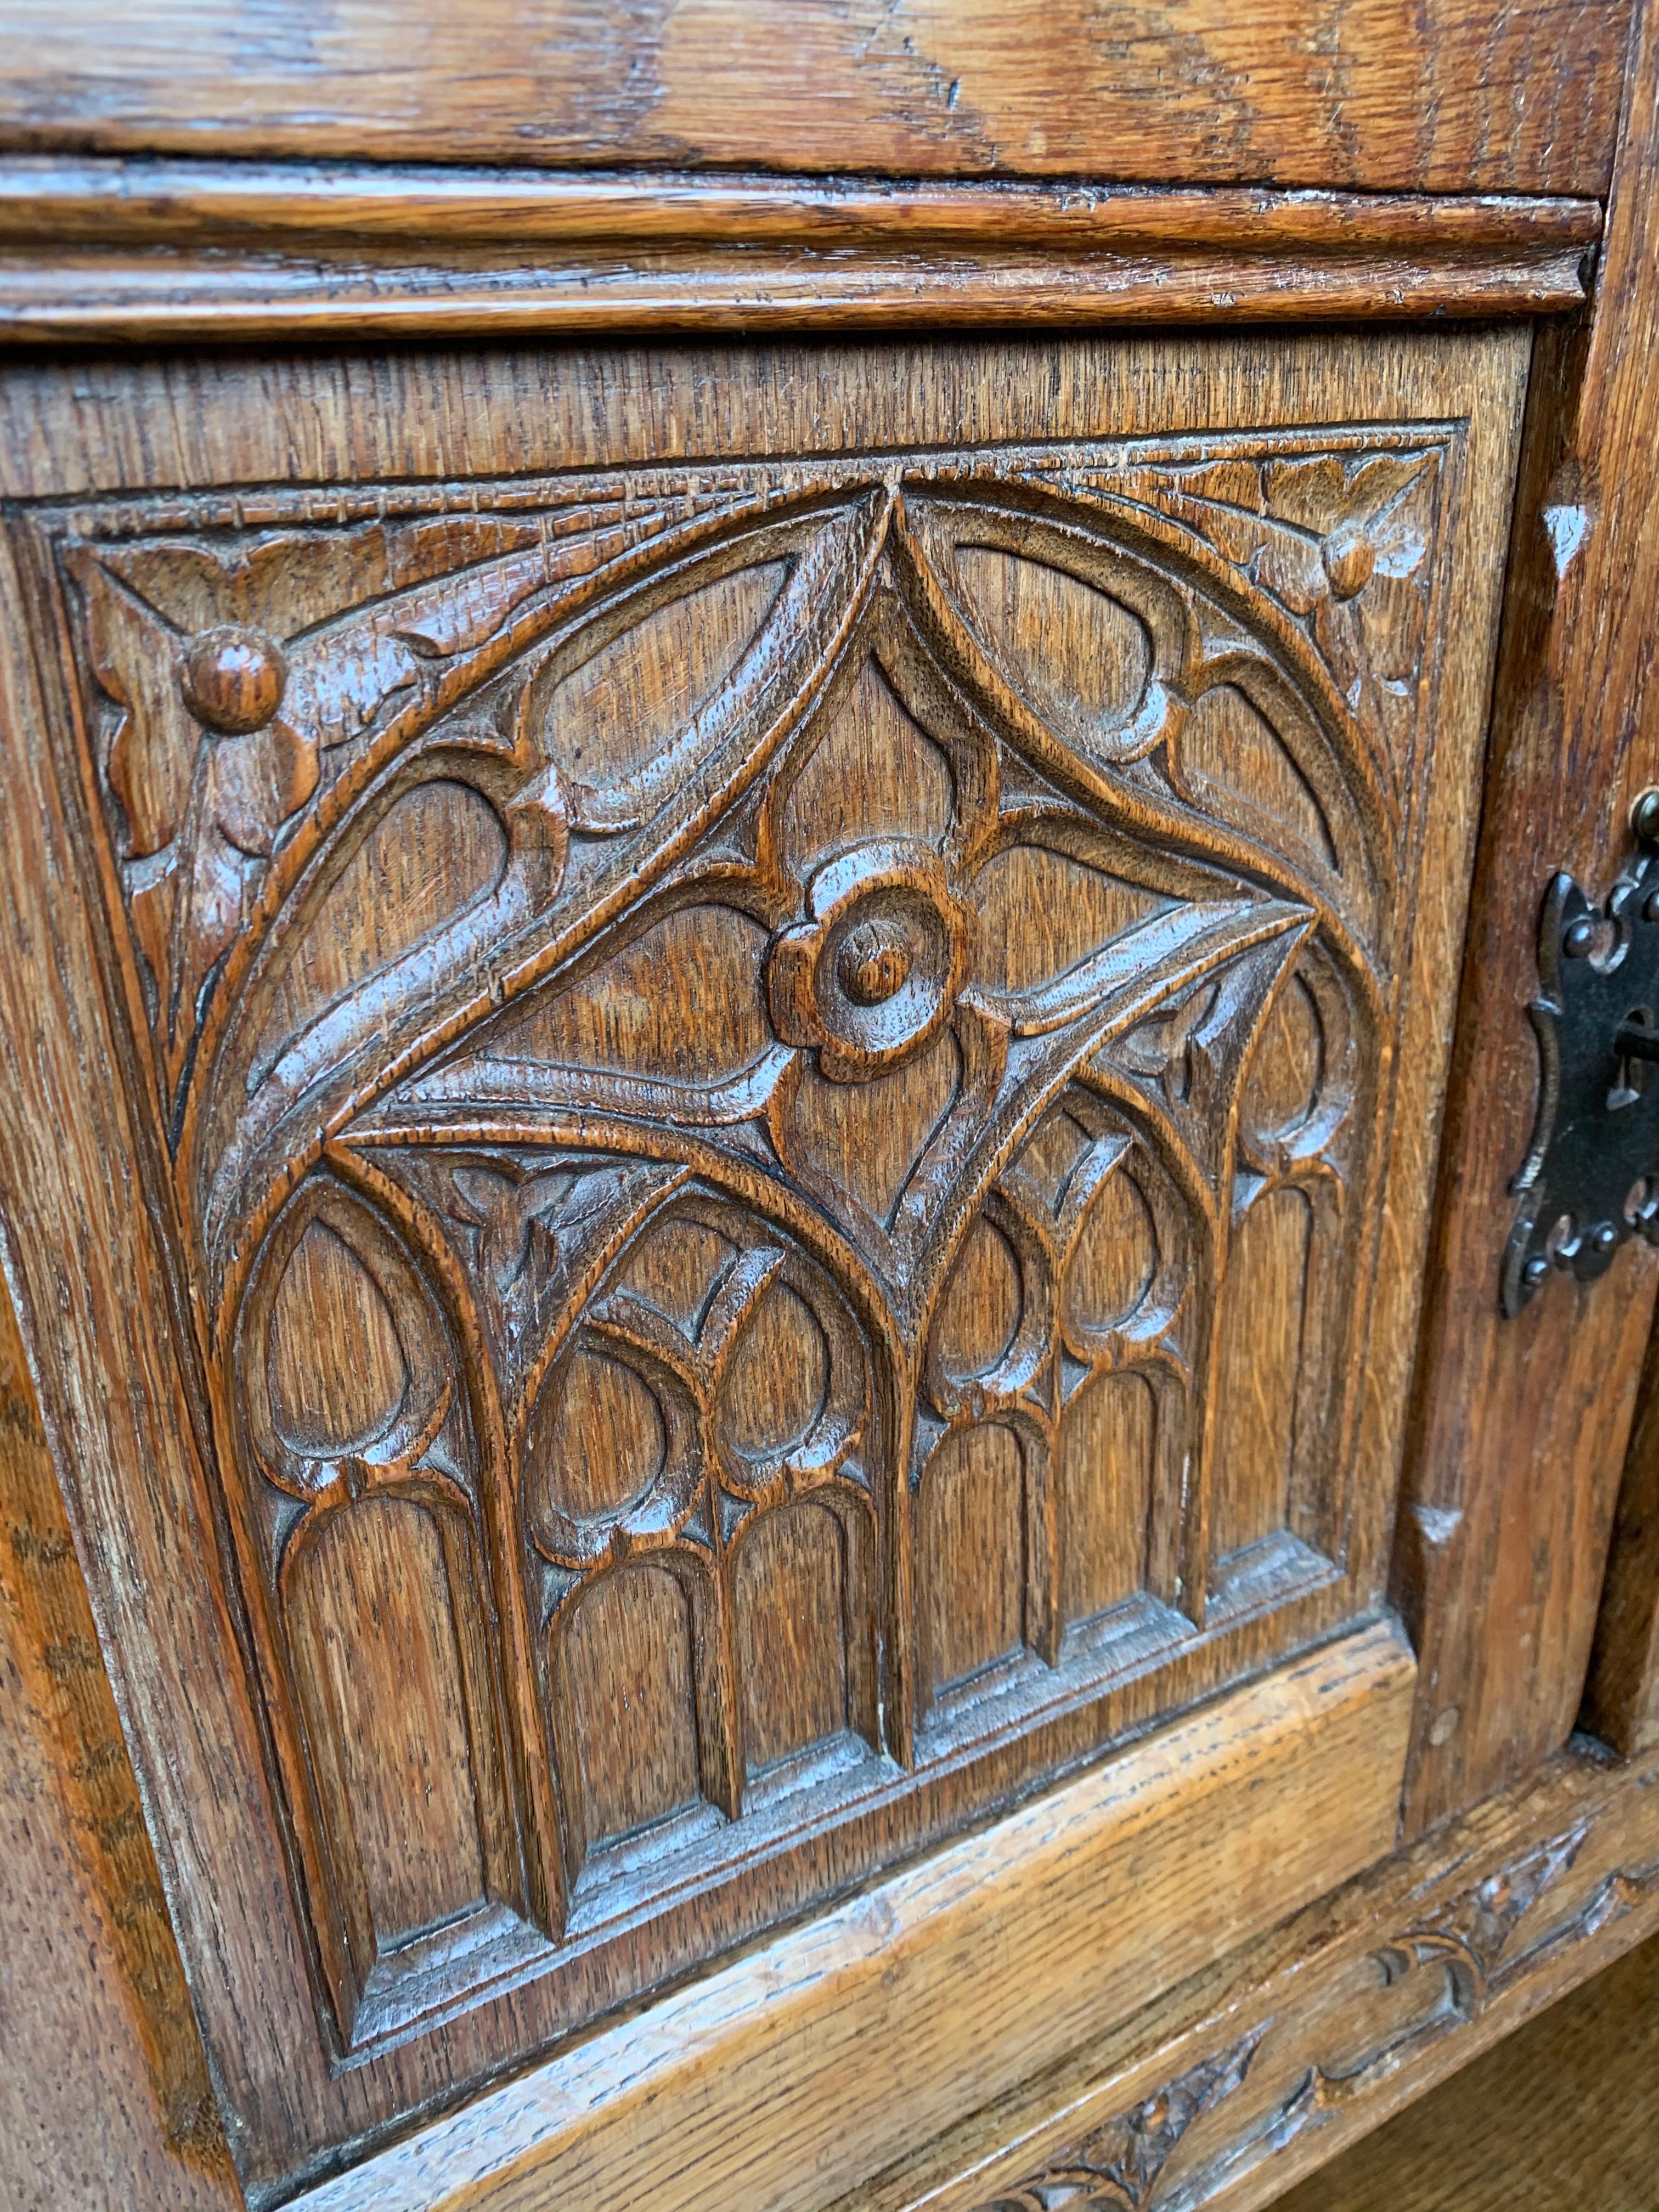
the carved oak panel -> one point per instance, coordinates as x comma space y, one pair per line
774, 1082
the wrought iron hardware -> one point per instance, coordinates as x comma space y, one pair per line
1591, 1178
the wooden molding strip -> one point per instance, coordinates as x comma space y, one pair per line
800, 2069
206, 203
163, 250
1226, 2092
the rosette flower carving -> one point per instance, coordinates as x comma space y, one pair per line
873, 975
906, 885
228, 674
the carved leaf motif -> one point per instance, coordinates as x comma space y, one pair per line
1118, 2164
1483, 1919
1309, 528
154, 744
1385, 2003
537, 1231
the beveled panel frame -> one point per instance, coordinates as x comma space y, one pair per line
227, 1180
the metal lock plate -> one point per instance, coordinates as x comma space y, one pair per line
1591, 1178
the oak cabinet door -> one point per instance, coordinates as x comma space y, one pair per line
787, 1012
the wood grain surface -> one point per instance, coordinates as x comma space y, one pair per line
1458, 95
719, 1077
1621, 1697
1228, 2091
1523, 1424
632, 1194
795, 2072
104, 2091
220, 251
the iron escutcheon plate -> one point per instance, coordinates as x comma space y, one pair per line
1591, 1178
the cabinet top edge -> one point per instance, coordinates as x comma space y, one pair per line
1435, 95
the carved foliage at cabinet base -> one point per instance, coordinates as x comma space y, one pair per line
776, 1079
1333, 2038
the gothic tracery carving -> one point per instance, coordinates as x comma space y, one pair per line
787, 1011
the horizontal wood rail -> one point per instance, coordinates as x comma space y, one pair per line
798, 2070
1223, 2094
157, 250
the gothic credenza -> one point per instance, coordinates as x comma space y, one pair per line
799, 1413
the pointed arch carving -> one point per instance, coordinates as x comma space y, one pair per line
783, 1015
362, 1511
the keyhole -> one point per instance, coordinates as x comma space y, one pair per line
1637, 1043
